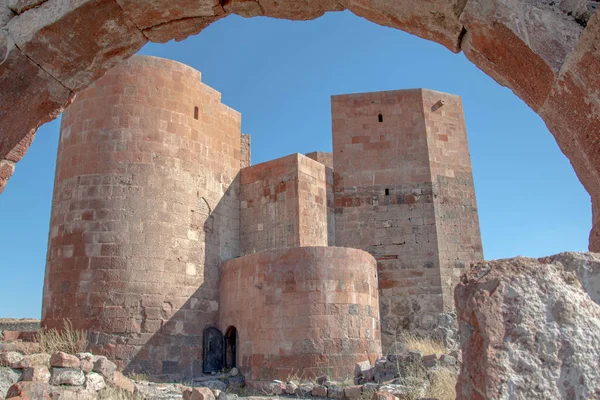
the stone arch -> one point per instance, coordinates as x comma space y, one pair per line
546, 52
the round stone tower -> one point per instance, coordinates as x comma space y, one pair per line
145, 208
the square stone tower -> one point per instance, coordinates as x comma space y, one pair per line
283, 203
404, 192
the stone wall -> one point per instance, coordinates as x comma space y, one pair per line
323, 157
246, 153
388, 147
145, 208
455, 206
306, 310
283, 204
315, 193
327, 160
19, 325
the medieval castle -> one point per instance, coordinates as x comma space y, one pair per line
181, 258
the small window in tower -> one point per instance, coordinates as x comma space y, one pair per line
196, 112
387, 192
380, 117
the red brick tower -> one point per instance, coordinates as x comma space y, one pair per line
145, 208
404, 193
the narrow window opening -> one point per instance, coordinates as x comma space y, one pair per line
387, 192
196, 112
380, 117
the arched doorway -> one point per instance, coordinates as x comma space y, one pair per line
231, 340
212, 360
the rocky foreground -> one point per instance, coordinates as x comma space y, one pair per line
85, 376
530, 328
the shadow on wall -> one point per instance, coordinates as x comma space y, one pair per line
175, 350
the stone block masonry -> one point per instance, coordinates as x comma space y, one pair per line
309, 309
283, 203
404, 193
162, 234
145, 208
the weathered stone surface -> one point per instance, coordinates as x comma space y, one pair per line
19, 324
8, 377
20, 6
6, 13
353, 392
7, 168
430, 361
383, 396
335, 391
245, 8
94, 381
178, 30
67, 376
304, 390
198, 394
76, 41
275, 388
106, 368
122, 382
152, 390
448, 361
26, 90
528, 331
72, 393
215, 384
31, 360
38, 373
520, 43
10, 359
370, 387
28, 391
149, 13
384, 370
436, 20
63, 360
360, 370
237, 381
319, 391
572, 111
290, 388
86, 365
585, 265
296, 10
222, 396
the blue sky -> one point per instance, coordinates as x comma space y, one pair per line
280, 75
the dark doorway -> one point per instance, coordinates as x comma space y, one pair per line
230, 347
212, 351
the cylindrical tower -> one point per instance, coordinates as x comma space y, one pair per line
307, 310
145, 208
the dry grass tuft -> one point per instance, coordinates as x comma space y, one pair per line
426, 346
68, 340
295, 376
139, 377
443, 384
